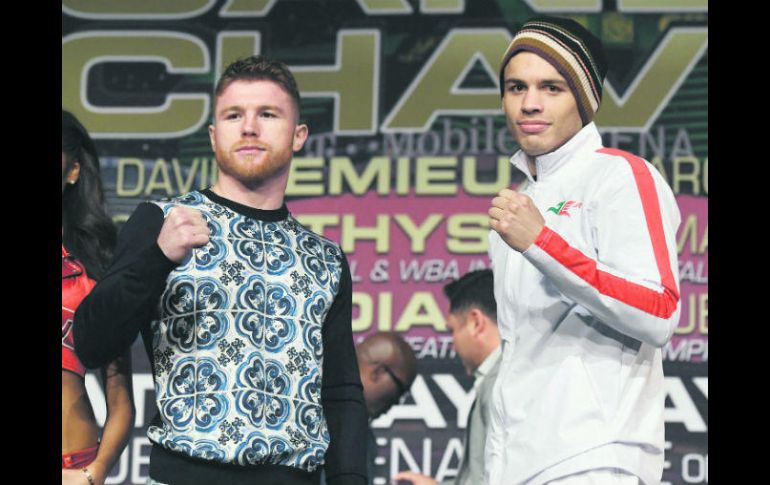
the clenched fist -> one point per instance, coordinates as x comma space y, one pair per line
183, 230
515, 217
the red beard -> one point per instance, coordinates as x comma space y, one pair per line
252, 170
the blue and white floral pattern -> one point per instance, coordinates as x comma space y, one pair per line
213, 253
280, 301
316, 307
310, 420
312, 457
208, 450
316, 268
180, 333
211, 328
237, 346
251, 296
211, 403
179, 297
278, 333
255, 450
177, 408
250, 402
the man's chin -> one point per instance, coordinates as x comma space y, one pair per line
249, 177
533, 151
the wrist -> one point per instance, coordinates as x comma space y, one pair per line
95, 472
542, 236
89, 476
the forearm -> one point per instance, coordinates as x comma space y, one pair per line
644, 310
115, 437
109, 318
346, 419
341, 393
120, 416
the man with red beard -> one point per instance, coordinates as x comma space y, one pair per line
245, 314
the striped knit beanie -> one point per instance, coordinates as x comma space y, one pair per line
572, 50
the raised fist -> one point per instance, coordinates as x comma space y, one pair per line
183, 230
515, 217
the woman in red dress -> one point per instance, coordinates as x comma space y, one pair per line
88, 238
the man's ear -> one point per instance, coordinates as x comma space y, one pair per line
475, 318
371, 371
378, 372
213, 142
301, 133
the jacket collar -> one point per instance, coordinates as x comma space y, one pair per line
486, 367
588, 138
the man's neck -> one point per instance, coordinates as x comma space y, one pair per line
268, 195
532, 166
487, 349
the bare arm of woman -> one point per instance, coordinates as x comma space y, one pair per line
118, 389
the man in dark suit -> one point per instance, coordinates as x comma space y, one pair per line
472, 319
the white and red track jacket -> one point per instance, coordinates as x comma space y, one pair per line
583, 313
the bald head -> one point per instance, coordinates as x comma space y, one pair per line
388, 366
389, 348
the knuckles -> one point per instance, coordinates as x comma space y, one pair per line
179, 217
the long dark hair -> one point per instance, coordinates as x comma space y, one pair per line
87, 231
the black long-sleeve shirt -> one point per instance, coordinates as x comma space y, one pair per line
126, 300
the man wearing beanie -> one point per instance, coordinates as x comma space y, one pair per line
586, 279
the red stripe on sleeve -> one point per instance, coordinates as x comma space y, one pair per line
662, 304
